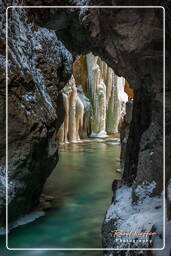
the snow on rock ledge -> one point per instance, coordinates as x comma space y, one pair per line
127, 214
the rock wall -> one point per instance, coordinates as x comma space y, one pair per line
39, 66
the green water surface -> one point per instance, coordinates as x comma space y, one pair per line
81, 185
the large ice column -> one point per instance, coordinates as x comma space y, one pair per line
107, 94
91, 63
110, 84
62, 134
79, 116
66, 119
104, 69
116, 105
113, 106
85, 130
72, 111
99, 117
97, 88
74, 114
122, 96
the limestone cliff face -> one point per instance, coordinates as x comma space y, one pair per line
94, 100
39, 66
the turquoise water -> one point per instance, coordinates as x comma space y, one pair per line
81, 185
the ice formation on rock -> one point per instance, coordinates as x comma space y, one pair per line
74, 114
96, 107
108, 97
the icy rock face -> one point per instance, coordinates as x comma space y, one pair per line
39, 66
107, 96
169, 200
95, 107
143, 214
74, 114
99, 99
86, 127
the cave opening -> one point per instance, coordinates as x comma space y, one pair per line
95, 101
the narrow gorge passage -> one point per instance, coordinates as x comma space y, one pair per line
78, 192
79, 79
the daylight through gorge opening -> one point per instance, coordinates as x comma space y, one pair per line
95, 102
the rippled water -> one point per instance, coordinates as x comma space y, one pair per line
81, 185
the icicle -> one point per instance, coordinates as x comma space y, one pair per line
72, 111
109, 85
66, 120
79, 116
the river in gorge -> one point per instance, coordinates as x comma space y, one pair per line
81, 185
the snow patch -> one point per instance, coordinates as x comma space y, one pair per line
101, 134
145, 190
23, 220
2, 231
29, 97
112, 142
26, 219
2, 176
169, 190
144, 215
